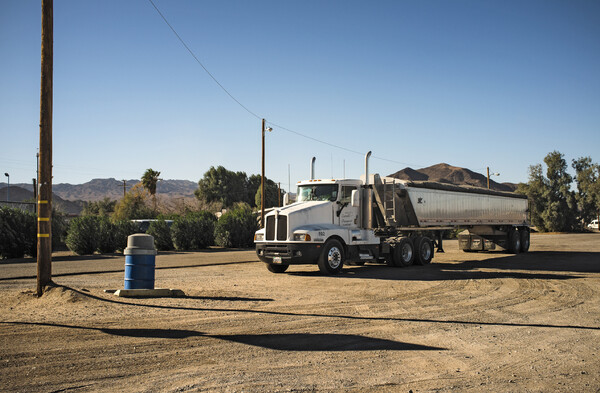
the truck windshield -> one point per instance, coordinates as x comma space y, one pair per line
318, 192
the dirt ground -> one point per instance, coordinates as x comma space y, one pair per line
469, 322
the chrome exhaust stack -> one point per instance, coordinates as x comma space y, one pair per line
367, 199
367, 168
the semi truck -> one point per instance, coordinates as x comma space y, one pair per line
385, 220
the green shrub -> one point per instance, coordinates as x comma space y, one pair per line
83, 235
134, 205
18, 233
162, 235
107, 239
236, 228
193, 231
122, 230
59, 230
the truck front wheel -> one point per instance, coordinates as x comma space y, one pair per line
273, 268
331, 260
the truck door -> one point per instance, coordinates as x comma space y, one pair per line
348, 216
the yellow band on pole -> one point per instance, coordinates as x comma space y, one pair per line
42, 202
43, 218
43, 235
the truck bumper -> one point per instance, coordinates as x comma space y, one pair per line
288, 253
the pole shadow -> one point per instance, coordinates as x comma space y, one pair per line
122, 270
296, 342
338, 316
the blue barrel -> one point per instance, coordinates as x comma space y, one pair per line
140, 256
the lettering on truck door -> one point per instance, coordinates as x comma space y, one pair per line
349, 214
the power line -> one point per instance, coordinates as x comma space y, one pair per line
254, 114
202, 65
338, 147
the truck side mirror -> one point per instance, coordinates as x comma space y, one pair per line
355, 198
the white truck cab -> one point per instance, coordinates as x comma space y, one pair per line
322, 227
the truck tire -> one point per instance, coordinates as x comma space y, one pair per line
424, 250
331, 259
273, 268
525, 239
404, 253
514, 241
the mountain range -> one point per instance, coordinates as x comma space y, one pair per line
444, 173
69, 198
98, 189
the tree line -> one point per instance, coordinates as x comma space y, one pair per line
557, 206
226, 187
559, 202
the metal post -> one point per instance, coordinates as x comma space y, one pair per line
37, 171
44, 243
7, 187
35, 193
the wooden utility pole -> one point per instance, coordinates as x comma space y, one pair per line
488, 177
262, 179
44, 233
124, 187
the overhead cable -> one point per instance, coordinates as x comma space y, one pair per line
246, 108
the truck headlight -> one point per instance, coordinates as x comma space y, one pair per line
259, 237
301, 237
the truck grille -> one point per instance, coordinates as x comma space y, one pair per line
282, 228
276, 227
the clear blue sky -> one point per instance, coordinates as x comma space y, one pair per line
468, 83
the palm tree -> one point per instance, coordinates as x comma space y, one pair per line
149, 181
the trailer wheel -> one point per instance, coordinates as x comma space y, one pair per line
404, 253
424, 250
331, 260
273, 268
514, 241
525, 239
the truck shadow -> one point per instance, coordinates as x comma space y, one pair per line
542, 265
549, 261
282, 342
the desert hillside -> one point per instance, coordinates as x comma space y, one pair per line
445, 173
98, 189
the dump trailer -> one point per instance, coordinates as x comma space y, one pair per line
386, 220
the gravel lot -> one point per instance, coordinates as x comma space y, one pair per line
468, 322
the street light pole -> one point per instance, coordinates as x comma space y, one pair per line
262, 179
7, 187
262, 176
488, 176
